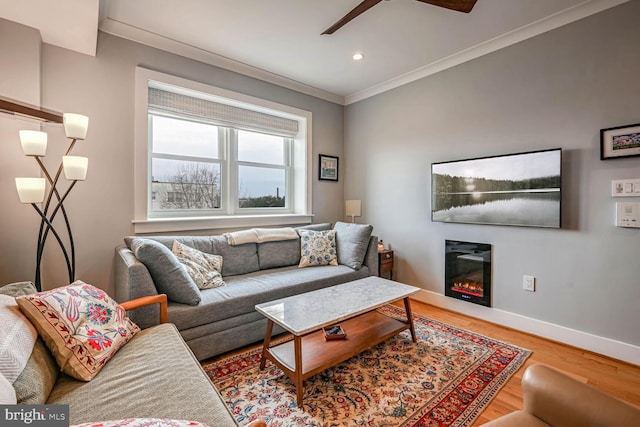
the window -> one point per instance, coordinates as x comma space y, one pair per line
211, 158
185, 166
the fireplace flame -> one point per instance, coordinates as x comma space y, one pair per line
471, 288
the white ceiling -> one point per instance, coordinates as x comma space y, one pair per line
279, 40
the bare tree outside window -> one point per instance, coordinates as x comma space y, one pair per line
191, 185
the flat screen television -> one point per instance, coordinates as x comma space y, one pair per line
521, 189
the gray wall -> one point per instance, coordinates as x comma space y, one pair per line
555, 90
19, 80
102, 207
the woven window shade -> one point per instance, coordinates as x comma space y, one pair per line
188, 107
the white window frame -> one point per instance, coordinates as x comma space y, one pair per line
298, 191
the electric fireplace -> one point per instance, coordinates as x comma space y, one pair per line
468, 271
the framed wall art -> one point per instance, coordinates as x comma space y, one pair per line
620, 141
328, 168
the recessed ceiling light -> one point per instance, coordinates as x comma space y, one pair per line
357, 56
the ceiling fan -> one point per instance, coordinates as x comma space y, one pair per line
458, 5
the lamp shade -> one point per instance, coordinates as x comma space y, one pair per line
34, 142
75, 125
353, 208
75, 167
30, 190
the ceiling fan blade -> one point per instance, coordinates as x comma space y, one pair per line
359, 9
459, 5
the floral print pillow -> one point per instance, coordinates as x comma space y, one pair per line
203, 268
82, 326
317, 248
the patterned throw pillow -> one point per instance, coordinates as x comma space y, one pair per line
203, 268
82, 326
317, 248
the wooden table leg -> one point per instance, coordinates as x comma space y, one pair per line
265, 345
297, 342
407, 309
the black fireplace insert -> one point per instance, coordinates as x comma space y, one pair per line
468, 271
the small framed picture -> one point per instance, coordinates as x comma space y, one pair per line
621, 141
328, 168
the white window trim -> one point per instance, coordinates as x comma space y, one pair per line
142, 162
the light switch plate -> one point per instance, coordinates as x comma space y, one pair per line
625, 188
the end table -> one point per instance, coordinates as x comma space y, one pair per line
385, 263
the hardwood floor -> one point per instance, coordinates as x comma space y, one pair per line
617, 378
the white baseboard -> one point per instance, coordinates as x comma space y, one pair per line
605, 346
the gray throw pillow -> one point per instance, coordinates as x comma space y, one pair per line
35, 382
352, 241
169, 276
18, 288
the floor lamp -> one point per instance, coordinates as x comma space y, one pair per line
33, 190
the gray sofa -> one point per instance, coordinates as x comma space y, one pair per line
155, 359
225, 318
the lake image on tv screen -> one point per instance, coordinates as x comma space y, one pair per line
518, 189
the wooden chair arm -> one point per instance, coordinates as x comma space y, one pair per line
151, 299
257, 423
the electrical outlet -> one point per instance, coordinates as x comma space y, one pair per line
529, 283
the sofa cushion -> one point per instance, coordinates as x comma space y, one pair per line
203, 268
352, 241
243, 292
283, 253
39, 375
82, 326
17, 337
317, 248
169, 276
279, 254
240, 259
154, 375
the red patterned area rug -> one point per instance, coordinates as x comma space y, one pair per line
447, 378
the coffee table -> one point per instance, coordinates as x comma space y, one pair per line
353, 305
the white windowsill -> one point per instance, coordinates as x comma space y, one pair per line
166, 225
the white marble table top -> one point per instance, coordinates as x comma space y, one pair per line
308, 312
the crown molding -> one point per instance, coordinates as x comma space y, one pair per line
147, 38
567, 16
580, 11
